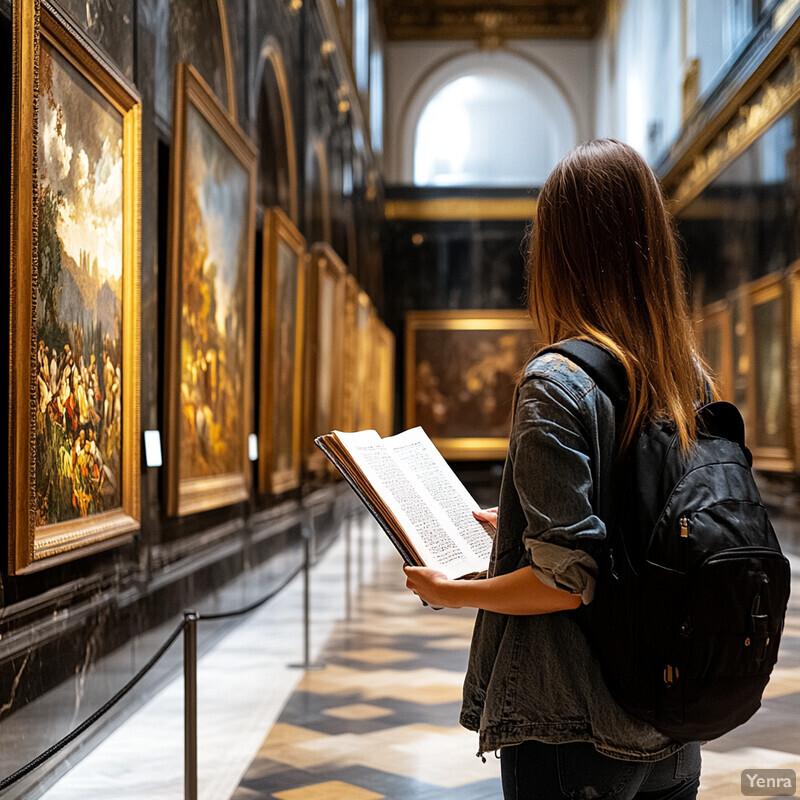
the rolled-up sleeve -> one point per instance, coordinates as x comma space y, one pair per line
553, 478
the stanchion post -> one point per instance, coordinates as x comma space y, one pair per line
190, 705
348, 604
307, 556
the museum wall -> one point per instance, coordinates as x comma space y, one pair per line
282, 73
414, 68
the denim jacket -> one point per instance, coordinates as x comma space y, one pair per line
535, 677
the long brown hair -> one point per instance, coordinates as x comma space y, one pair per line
603, 265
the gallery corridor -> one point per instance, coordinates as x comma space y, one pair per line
378, 718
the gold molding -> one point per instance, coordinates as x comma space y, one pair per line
458, 208
270, 52
773, 88
226, 49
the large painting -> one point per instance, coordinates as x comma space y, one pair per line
282, 306
714, 329
383, 366
324, 350
74, 371
768, 329
460, 371
209, 309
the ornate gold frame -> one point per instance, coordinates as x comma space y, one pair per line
324, 263
279, 228
718, 315
383, 366
362, 397
472, 448
794, 358
30, 548
350, 341
770, 287
192, 495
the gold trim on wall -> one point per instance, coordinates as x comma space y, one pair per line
466, 208
278, 228
271, 53
226, 49
766, 101
193, 495
33, 547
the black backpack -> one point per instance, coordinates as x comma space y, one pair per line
692, 586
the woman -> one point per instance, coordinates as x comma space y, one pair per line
603, 266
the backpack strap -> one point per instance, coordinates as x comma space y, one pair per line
602, 367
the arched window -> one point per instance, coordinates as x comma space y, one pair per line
492, 127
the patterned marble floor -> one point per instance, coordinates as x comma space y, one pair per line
380, 720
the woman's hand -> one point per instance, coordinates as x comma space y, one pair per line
431, 586
488, 518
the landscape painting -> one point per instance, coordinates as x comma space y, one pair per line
461, 370
83, 313
212, 247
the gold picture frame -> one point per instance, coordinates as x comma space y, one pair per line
348, 416
715, 339
460, 373
282, 303
766, 311
74, 296
324, 351
209, 341
362, 397
383, 369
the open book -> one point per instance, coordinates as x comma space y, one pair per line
416, 498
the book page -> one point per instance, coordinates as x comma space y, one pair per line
424, 522
419, 456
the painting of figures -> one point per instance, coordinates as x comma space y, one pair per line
211, 289
461, 370
83, 314
79, 299
283, 301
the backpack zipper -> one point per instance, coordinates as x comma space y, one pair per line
684, 528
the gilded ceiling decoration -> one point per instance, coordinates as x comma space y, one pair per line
491, 22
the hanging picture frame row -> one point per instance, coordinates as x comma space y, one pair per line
75, 310
751, 342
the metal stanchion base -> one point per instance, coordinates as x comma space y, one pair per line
308, 667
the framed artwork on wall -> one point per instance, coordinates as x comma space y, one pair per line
794, 359
209, 302
282, 304
460, 374
324, 350
74, 296
362, 396
350, 365
382, 374
714, 334
769, 433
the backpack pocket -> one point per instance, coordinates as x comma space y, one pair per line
729, 636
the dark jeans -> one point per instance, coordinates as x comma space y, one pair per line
538, 771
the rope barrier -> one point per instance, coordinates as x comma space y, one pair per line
89, 721
189, 618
